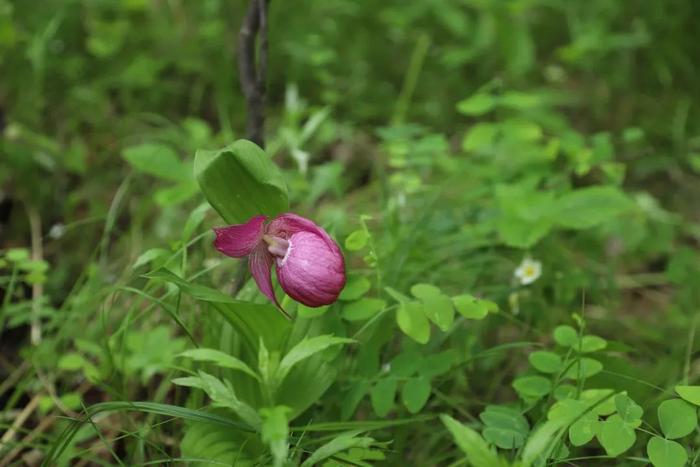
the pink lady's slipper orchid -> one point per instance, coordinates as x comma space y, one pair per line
310, 267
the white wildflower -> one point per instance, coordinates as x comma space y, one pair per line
529, 271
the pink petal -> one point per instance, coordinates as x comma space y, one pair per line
240, 239
259, 263
311, 273
287, 224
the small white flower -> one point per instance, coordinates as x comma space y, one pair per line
529, 271
386, 368
57, 231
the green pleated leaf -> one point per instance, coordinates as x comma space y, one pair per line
340, 443
240, 181
219, 358
305, 349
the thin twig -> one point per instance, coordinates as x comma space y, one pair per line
252, 72
37, 286
40, 428
19, 421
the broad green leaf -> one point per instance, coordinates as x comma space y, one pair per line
436, 306
616, 436
240, 181
520, 233
677, 418
478, 452
340, 443
305, 349
505, 427
627, 409
424, 291
520, 130
71, 361
158, 160
689, 393
526, 214
275, 431
357, 240
566, 336
355, 288
383, 395
220, 358
439, 310
362, 309
222, 395
406, 363
588, 207
532, 386
607, 407
584, 368
478, 104
470, 307
593, 344
17, 255
584, 429
562, 410
435, 364
546, 362
413, 322
481, 137
415, 393
666, 453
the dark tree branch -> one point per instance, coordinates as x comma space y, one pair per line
252, 72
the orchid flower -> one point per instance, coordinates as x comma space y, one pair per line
309, 265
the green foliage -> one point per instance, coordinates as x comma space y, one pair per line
666, 453
240, 181
442, 146
504, 427
477, 451
677, 418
